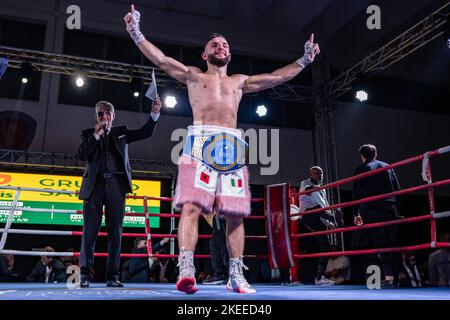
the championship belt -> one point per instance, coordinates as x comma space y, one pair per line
222, 152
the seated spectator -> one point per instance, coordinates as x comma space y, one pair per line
338, 268
169, 270
203, 276
48, 269
69, 261
8, 270
140, 270
410, 274
439, 265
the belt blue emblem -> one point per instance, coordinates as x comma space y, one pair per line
221, 152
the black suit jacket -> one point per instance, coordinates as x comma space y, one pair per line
383, 182
58, 273
90, 151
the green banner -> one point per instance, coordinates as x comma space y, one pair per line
28, 217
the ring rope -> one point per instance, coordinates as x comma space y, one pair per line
369, 173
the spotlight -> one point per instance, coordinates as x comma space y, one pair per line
80, 78
79, 82
136, 87
25, 72
170, 102
362, 96
261, 110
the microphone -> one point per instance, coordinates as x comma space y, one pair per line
103, 127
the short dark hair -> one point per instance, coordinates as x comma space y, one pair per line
212, 36
137, 240
368, 151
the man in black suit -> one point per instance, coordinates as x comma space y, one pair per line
106, 180
376, 211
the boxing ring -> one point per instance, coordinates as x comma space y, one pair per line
281, 240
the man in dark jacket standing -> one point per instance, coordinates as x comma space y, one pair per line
376, 211
106, 181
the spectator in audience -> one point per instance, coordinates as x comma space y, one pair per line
338, 268
8, 270
410, 274
69, 261
48, 269
203, 275
141, 270
169, 270
439, 264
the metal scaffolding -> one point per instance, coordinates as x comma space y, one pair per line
325, 151
70, 164
122, 72
409, 41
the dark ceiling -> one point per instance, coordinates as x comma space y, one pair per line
264, 35
339, 27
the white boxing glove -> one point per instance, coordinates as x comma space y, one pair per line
308, 56
134, 29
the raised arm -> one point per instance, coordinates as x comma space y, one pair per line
173, 67
269, 80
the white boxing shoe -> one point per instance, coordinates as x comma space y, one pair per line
236, 281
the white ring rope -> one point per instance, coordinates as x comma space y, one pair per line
38, 189
10, 219
39, 232
37, 253
39, 210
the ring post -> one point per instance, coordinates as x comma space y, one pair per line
276, 209
10, 219
148, 232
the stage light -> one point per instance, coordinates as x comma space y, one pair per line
261, 110
25, 72
170, 102
362, 96
136, 87
80, 78
79, 81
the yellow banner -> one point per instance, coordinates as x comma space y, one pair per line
66, 183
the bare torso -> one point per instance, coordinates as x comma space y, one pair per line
215, 99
